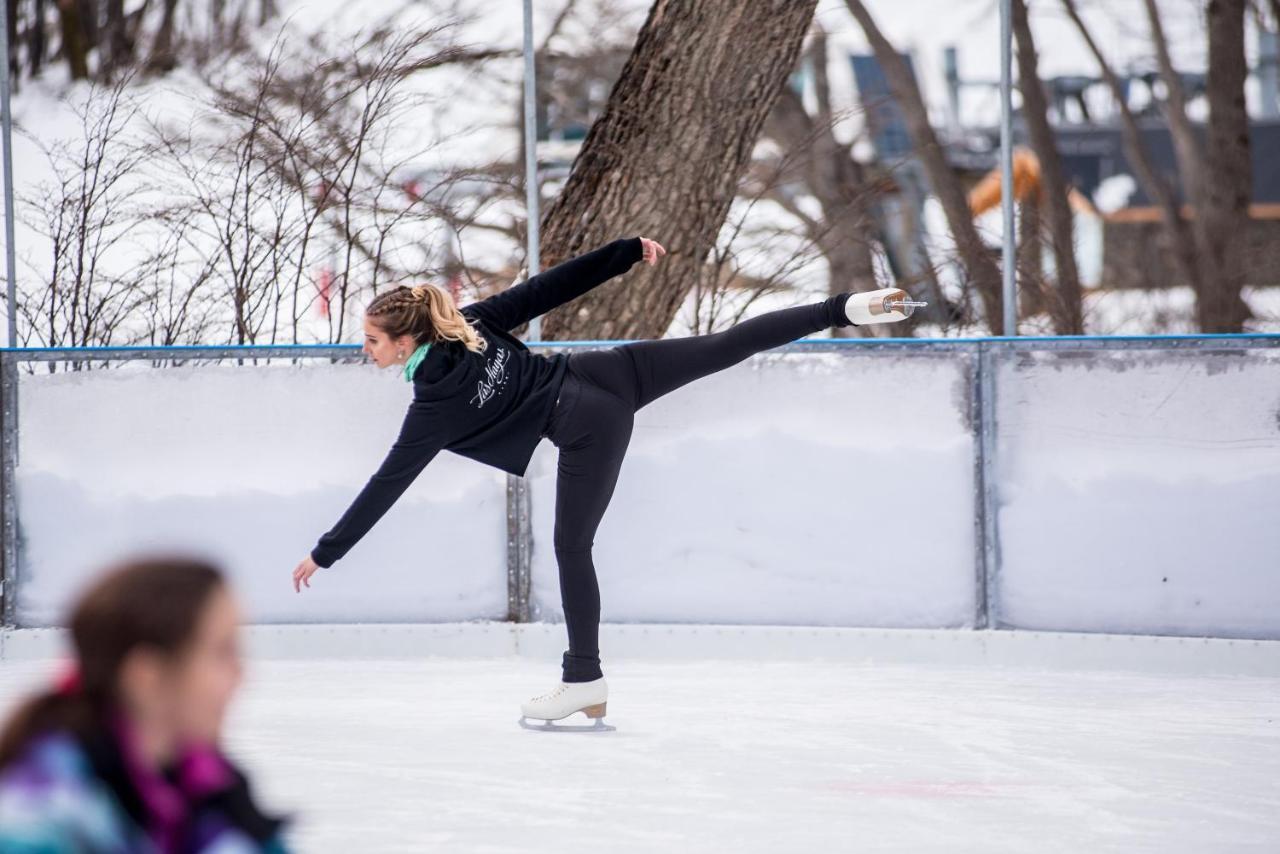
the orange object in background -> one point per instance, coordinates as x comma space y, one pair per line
1026, 180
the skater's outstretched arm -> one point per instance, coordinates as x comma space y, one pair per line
563, 283
419, 441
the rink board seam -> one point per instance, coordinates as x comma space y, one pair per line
545, 642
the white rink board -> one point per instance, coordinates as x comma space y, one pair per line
1140, 492
797, 488
250, 465
1136, 493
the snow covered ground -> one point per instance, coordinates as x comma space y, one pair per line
789, 754
469, 121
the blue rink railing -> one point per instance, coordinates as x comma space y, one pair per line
978, 355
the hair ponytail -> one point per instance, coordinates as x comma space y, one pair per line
426, 313
45, 712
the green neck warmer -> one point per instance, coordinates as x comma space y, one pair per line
411, 366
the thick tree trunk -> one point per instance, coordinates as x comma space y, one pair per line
119, 49
11, 21
37, 39
88, 11
665, 157
981, 268
75, 46
162, 58
1064, 305
1033, 289
1223, 217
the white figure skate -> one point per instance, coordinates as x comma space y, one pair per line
887, 305
568, 698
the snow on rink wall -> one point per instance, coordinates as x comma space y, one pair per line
248, 464
1139, 491
1129, 488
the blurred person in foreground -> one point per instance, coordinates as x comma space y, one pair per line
122, 755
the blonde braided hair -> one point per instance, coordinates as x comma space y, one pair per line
425, 312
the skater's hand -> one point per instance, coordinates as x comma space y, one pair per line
303, 573
652, 251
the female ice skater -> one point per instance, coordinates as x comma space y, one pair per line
477, 391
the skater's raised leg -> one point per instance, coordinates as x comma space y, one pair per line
644, 371
666, 364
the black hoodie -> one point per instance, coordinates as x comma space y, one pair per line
490, 406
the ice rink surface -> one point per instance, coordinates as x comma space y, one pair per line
776, 756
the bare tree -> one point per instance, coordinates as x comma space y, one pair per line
723, 296
162, 54
978, 263
1224, 210
178, 305
37, 39
1180, 241
11, 24
119, 46
1209, 250
812, 161
578, 61
85, 292
292, 192
289, 194
111, 35
666, 155
1034, 293
75, 44
1186, 146
1063, 303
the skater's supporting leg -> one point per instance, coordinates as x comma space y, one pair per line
646, 370
592, 440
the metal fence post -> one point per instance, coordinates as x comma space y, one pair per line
8, 501
6, 138
979, 493
519, 549
531, 188
1008, 254
519, 535
988, 496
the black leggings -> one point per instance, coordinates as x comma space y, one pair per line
591, 425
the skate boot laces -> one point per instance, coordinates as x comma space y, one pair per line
552, 694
